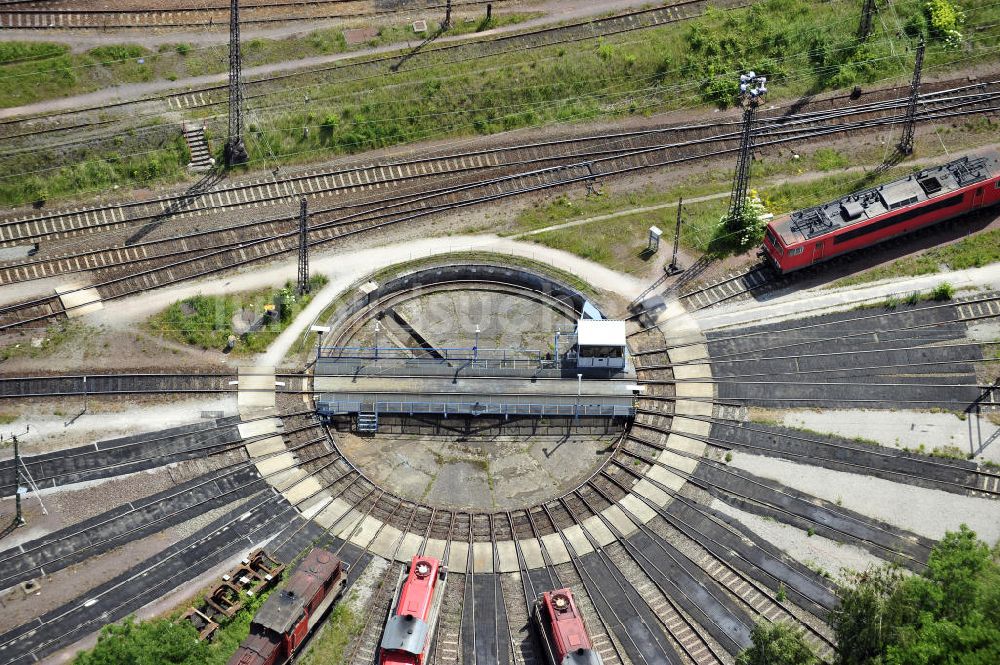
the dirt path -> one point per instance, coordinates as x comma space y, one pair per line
556, 11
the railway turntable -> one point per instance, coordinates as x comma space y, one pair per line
584, 379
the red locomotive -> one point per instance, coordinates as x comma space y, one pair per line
868, 217
563, 635
288, 615
409, 630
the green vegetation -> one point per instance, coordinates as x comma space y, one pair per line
738, 233
947, 615
157, 641
945, 20
207, 321
165, 160
55, 337
162, 641
777, 644
333, 637
36, 71
620, 242
973, 251
800, 44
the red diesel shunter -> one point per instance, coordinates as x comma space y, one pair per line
413, 616
289, 614
564, 636
871, 216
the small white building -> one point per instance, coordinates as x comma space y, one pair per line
600, 343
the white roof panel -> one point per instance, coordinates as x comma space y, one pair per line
593, 332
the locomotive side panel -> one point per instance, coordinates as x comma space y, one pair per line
869, 217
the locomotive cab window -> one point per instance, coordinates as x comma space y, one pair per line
774, 242
796, 251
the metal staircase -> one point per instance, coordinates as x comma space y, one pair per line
201, 156
367, 423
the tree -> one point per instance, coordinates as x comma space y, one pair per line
777, 644
865, 620
949, 615
157, 642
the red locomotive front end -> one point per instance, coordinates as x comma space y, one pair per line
409, 630
563, 634
868, 217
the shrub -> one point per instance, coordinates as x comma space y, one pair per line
108, 55
945, 20
777, 644
943, 291
183, 49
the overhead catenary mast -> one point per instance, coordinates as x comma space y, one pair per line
752, 91
909, 124
236, 152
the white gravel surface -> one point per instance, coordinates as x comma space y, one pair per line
903, 429
50, 431
790, 303
813, 551
924, 511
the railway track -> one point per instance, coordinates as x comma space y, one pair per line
42, 16
115, 384
174, 265
658, 582
368, 177
129, 111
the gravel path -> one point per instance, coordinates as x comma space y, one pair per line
902, 429
50, 432
924, 511
813, 551
792, 302
343, 269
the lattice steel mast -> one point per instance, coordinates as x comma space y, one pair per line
867, 20
303, 247
236, 152
752, 91
909, 124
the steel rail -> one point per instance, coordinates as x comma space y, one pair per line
416, 215
728, 444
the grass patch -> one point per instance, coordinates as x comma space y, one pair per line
330, 643
55, 337
940, 293
619, 243
162, 640
799, 44
7, 419
974, 251
207, 321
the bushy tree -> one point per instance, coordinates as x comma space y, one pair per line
777, 644
157, 642
948, 615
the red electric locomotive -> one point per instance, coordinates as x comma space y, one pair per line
413, 616
868, 217
560, 625
288, 615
